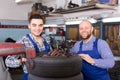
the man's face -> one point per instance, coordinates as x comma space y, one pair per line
36, 27
85, 30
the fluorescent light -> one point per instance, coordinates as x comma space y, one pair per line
23, 1
92, 20
113, 19
72, 22
50, 25
78, 21
17, 1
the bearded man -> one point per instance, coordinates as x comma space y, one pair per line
96, 54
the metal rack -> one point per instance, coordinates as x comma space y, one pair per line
85, 7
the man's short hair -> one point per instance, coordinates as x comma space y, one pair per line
36, 16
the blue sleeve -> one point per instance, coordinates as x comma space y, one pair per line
75, 48
107, 58
12, 61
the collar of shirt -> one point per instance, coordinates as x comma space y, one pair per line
89, 44
91, 40
33, 38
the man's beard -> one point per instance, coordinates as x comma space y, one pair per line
88, 36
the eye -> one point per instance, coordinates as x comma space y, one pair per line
40, 25
80, 28
33, 25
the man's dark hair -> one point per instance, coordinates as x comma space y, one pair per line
35, 16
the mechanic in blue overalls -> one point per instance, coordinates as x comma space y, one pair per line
34, 39
96, 55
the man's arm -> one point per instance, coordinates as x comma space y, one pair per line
75, 48
107, 58
12, 61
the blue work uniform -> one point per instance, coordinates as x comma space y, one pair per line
91, 72
47, 46
47, 49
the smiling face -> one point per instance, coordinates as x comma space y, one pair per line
85, 30
36, 27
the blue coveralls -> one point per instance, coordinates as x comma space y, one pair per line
47, 49
89, 71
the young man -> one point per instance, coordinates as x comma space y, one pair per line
96, 54
32, 40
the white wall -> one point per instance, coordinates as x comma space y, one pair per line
11, 11
13, 14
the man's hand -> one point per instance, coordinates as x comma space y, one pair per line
87, 58
23, 59
57, 53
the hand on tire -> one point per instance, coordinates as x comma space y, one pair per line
57, 53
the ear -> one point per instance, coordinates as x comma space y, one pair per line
92, 29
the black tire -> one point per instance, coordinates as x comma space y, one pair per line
76, 77
56, 67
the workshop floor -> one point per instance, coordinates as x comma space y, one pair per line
16, 74
115, 71
17, 77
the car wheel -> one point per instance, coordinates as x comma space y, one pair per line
56, 66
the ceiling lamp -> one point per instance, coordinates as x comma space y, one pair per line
78, 21
23, 1
50, 25
112, 19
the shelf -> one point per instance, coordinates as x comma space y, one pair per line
86, 7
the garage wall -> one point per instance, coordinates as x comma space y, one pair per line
14, 33
13, 14
11, 11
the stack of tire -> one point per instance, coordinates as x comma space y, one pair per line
56, 68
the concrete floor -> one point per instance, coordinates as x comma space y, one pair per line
16, 74
17, 77
115, 71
